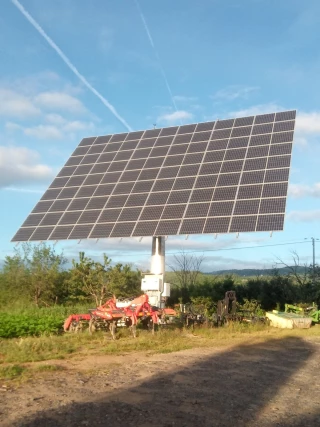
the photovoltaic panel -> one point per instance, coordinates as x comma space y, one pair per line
215, 177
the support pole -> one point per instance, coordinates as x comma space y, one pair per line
158, 255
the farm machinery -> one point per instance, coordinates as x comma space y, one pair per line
311, 311
113, 313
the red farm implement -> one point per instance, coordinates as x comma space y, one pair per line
118, 313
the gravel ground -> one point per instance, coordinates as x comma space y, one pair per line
274, 383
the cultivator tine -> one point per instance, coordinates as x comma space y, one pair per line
134, 331
113, 328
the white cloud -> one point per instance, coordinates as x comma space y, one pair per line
235, 92
257, 109
175, 117
24, 190
14, 104
304, 216
20, 165
58, 128
43, 132
55, 119
76, 126
59, 101
297, 191
308, 123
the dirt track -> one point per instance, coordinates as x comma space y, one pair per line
274, 383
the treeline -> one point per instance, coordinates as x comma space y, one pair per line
37, 275
270, 292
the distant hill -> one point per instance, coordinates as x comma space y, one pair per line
249, 272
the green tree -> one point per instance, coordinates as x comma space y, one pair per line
98, 280
33, 272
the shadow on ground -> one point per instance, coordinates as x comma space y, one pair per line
232, 388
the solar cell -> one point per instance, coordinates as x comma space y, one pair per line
78, 204
122, 229
111, 177
238, 142
102, 139
89, 141
168, 227
278, 138
243, 223
217, 225
33, 219
260, 139
249, 192
184, 183
81, 170
223, 124
246, 207
205, 126
151, 213
243, 131
129, 214
59, 205
70, 218
51, 218
209, 168
187, 129
97, 202
169, 131
201, 136
244, 121
101, 230
270, 222
221, 134
228, 179
148, 174
118, 137
192, 226
162, 181
201, 195
188, 170
145, 228
109, 215
171, 211
221, 209
177, 197
89, 217
264, 118
136, 199
197, 210
42, 233
68, 171
134, 135
168, 172
220, 144
80, 232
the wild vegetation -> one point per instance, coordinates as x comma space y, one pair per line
38, 289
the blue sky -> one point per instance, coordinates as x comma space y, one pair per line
117, 64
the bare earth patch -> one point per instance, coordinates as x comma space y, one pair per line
265, 383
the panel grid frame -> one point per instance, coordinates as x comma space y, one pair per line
70, 184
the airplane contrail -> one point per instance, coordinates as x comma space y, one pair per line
156, 53
67, 61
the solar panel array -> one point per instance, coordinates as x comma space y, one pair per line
215, 177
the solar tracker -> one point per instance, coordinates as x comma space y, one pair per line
224, 176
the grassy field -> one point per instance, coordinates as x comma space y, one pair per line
17, 356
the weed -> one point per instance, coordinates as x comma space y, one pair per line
11, 372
